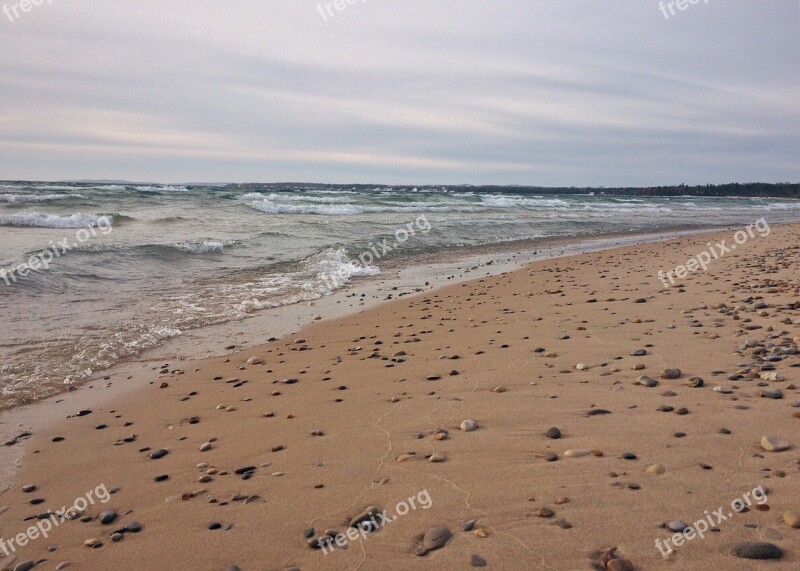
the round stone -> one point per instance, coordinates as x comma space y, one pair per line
677, 526
469, 425
553, 433
695, 382
646, 381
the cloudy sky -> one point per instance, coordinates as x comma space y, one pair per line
556, 92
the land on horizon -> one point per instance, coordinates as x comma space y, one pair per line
752, 189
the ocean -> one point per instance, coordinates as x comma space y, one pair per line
94, 274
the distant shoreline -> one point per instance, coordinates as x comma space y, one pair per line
730, 190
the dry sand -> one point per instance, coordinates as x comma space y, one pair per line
359, 425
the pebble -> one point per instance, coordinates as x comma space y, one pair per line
598, 412
646, 381
553, 433
677, 526
576, 453
774, 444
671, 374
695, 382
477, 561
469, 525
792, 519
24, 566
108, 517
156, 454
656, 469
756, 550
206, 447
776, 394
638, 352
437, 457
469, 425
436, 538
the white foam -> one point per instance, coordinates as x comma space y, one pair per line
25, 198
335, 269
265, 204
164, 188
203, 247
40, 220
495, 201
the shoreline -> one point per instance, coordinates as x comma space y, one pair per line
377, 442
399, 279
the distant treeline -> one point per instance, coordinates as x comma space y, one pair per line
755, 189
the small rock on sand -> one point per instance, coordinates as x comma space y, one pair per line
792, 519
577, 453
477, 561
757, 550
436, 538
553, 433
774, 444
469, 425
646, 381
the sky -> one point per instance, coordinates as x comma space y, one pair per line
532, 92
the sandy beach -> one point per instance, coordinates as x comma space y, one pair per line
573, 414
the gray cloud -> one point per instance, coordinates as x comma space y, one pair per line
574, 92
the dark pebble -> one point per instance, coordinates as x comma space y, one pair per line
553, 433
477, 561
469, 525
754, 550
